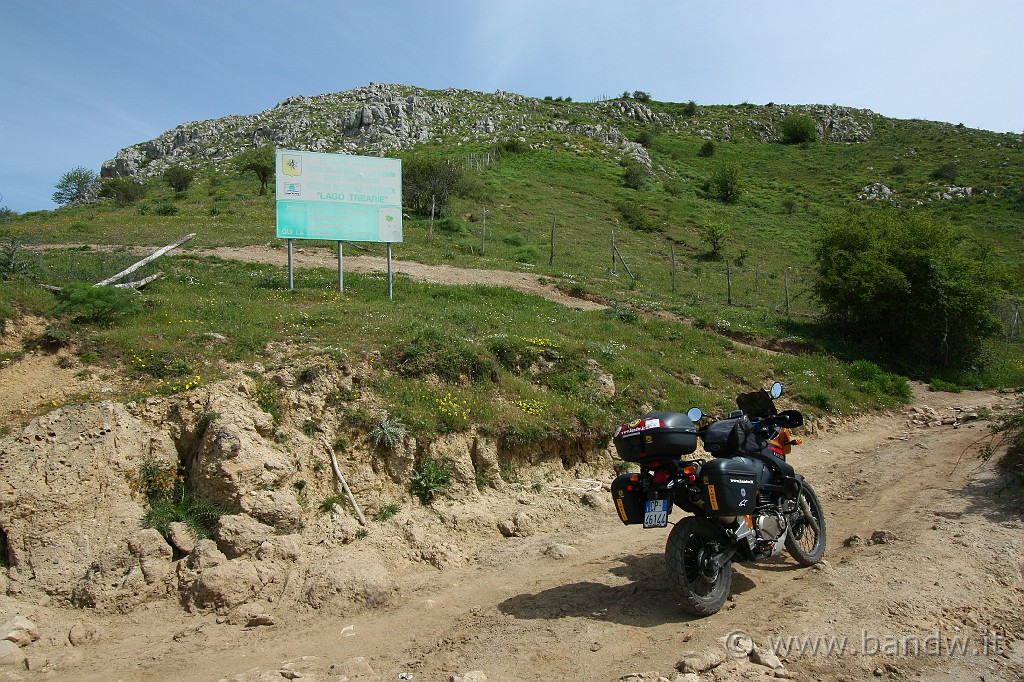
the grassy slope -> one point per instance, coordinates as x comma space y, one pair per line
652, 360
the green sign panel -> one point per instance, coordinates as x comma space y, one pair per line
338, 197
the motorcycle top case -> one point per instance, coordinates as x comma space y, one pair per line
654, 435
730, 486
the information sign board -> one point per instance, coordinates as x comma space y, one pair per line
338, 197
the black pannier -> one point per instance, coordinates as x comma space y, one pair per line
727, 437
629, 500
730, 486
656, 434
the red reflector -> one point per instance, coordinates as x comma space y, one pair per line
662, 476
692, 478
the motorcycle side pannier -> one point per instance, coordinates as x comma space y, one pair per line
730, 486
654, 435
628, 499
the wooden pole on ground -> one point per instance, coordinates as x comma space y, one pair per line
728, 282
156, 254
341, 479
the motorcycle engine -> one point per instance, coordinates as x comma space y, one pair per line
769, 525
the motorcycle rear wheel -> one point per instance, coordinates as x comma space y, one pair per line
805, 544
697, 581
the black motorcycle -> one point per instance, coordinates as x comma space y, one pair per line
747, 503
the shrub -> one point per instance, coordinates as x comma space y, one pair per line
947, 172
645, 138
178, 177
514, 145
124, 191
14, 259
641, 96
259, 161
73, 185
789, 205
388, 433
426, 180
725, 183
166, 209
636, 216
798, 128
635, 175
900, 277
85, 303
429, 479
714, 236
899, 167
690, 109
707, 149
182, 507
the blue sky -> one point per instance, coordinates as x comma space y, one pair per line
83, 78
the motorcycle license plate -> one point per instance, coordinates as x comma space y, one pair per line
656, 513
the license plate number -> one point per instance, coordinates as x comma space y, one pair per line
656, 513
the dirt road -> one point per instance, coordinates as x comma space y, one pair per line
586, 598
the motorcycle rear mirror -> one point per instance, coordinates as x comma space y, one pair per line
776, 390
695, 414
790, 418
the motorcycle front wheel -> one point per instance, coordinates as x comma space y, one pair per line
805, 543
700, 584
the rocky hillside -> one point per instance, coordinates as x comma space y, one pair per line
386, 119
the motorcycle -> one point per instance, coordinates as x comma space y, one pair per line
747, 503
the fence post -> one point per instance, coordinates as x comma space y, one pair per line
673, 267
728, 282
483, 231
613, 252
551, 257
430, 232
785, 281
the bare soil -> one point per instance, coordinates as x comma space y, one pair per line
586, 598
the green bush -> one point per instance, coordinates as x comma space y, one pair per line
920, 286
84, 303
635, 175
178, 177
124, 191
798, 128
182, 507
947, 172
707, 149
514, 354
166, 209
73, 185
15, 260
429, 479
690, 109
430, 181
636, 216
388, 433
725, 183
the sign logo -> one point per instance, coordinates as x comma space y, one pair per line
291, 164
292, 189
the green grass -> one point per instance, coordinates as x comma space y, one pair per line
462, 357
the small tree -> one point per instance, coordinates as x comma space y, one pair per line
690, 109
124, 191
258, 160
73, 185
707, 149
179, 177
725, 183
641, 96
798, 128
715, 237
430, 181
903, 281
636, 175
